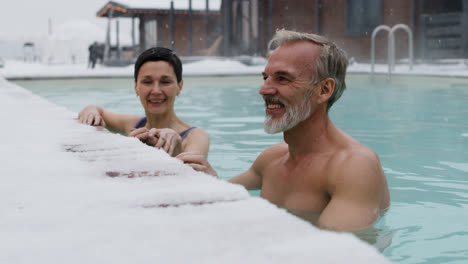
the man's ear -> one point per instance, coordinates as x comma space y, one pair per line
327, 86
181, 83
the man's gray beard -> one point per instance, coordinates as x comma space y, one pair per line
293, 116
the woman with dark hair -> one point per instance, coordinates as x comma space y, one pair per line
158, 81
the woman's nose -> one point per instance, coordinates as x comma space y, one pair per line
156, 88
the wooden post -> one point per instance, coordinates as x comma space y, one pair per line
190, 29
317, 16
250, 28
270, 20
422, 31
133, 35
142, 29
464, 23
107, 46
207, 22
227, 27
260, 27
117, 40
412, 14
240, 22
171, 17
160, 32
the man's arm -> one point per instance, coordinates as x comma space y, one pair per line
250, 179
358, 190
196, 160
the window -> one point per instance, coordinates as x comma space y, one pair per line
362, 16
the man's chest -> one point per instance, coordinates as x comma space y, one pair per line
301, 187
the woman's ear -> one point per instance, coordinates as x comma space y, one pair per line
181, 83
136, 90
327, 86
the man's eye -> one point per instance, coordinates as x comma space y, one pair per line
147, 82
282, 79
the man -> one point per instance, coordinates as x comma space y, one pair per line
319, 172
93, 54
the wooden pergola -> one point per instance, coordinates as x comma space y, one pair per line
172, 17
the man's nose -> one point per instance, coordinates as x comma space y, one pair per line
267, 88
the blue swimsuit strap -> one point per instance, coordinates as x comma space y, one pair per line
185, 133
142, 123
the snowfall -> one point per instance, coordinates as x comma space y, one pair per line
78, 194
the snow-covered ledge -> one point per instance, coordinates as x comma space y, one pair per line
71, 193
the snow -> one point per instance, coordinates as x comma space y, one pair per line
166, 4
447, 68
215, 66
72, 193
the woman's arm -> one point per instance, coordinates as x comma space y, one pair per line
94, 115
197, 141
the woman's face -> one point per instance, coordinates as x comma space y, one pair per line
157, 87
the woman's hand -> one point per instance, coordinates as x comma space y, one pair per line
161, 138
167, 139
197, 161
91, 115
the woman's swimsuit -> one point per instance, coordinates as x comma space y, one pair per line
142, 123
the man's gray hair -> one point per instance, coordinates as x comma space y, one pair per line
332, 62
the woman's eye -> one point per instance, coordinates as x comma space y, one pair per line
147, 82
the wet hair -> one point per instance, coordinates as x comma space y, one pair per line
159, 54
332, 62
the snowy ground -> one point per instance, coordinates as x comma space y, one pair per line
72, 193
212, 67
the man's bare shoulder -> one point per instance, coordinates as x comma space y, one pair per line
356, 170
355, 162
271, 153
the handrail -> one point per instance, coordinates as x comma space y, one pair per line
410, 44
374, 33
391, 46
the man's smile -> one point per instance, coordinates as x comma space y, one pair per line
273, 105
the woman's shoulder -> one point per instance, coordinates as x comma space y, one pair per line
196, 140
194, 132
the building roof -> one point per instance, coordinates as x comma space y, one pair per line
130, 8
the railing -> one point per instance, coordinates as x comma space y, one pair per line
374, 33
391, 46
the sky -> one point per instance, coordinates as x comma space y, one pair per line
20, 19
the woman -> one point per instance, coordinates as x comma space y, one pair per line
158, 81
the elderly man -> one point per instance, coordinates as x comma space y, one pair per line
318, 173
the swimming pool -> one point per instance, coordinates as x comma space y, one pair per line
418, 126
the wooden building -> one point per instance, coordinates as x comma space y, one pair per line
189, 27
439, 27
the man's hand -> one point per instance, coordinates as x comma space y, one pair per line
165, 138
90, 115
197, 161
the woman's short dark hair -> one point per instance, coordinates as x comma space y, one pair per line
159, 54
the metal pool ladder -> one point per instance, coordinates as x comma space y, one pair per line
391, 46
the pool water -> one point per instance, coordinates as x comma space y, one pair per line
418, 126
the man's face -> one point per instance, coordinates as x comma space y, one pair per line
288, 88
